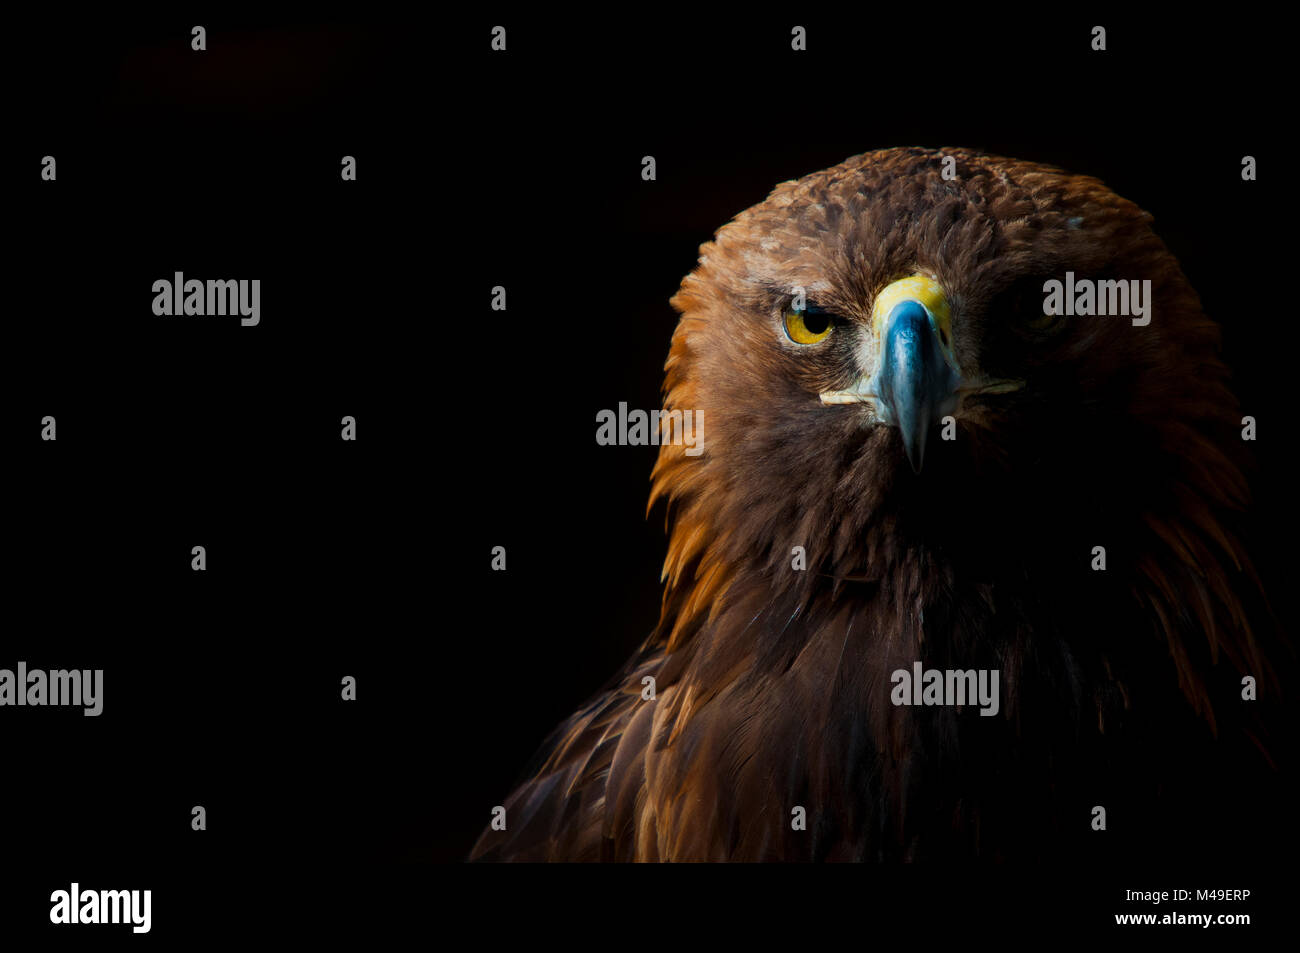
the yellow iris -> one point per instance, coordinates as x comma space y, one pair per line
1043, 322
805, 328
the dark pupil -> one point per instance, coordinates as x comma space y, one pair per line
816, 321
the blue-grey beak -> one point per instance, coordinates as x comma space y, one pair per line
914, 384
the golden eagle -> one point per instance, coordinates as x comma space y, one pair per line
912, 457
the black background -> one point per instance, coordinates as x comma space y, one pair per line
475, 427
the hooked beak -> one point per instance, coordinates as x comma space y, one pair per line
914, 384
917, 381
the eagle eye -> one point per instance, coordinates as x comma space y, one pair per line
1043, 322
807, 325
1025, 304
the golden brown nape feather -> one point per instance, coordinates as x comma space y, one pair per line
773, 682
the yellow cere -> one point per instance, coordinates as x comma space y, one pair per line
923, 290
